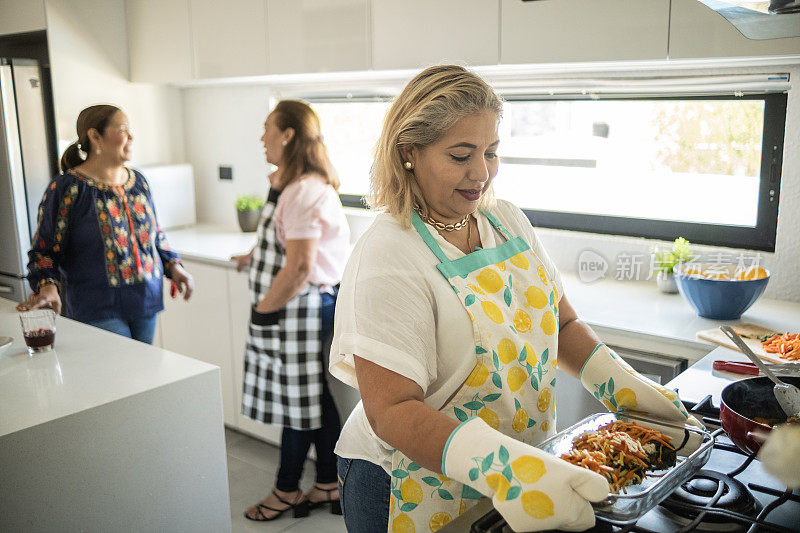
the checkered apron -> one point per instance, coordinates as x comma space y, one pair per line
283, 357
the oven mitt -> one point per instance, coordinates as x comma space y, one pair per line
780, 454
532, 489
612, 381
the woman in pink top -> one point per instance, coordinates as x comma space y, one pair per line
295, 269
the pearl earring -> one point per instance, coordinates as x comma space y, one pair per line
408, 165
284, 143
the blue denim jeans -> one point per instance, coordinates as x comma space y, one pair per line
364, 493
140, 329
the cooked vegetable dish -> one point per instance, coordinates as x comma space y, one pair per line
623, 452
786, 346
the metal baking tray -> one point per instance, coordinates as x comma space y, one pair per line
693, 446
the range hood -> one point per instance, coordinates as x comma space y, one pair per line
759, 19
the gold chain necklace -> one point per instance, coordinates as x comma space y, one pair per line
440, 225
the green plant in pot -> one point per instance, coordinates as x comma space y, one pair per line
248, 211
664, 262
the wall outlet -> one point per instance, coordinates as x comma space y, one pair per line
225, 173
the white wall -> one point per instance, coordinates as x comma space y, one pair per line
88, 47
223, 125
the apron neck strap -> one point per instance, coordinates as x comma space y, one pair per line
496, 223
426, 235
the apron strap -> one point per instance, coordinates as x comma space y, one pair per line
425, 233
496, 223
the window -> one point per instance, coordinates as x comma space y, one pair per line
705, 168
351, 129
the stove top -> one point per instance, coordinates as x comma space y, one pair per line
731, 493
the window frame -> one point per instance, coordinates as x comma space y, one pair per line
761, 237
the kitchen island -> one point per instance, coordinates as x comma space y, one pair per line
104, 433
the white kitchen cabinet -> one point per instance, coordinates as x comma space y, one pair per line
20, 16
239, 312
578, 31
697, 31
420, 33
159, 40
229, 40
200, 327
318, 35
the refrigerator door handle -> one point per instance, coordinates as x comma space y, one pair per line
6, 289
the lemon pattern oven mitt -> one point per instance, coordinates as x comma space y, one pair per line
532, 489
612, 381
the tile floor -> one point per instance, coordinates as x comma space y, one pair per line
252, 466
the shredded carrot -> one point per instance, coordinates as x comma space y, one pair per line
786, 346
616, 451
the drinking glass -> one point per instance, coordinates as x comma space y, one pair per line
39, 329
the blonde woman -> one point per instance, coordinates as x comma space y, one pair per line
450, 320
295, 269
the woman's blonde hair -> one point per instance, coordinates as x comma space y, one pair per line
306, 152
427, 107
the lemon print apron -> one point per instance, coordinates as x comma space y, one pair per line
513, 306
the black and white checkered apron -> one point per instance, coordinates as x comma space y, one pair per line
283, 357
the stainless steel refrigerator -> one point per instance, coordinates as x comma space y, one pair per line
25, 168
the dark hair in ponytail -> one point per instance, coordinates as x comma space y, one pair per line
93, 117
305, 152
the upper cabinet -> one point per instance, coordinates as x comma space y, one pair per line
697, 31
578, 31
184, 40
21, 16
159, 40
451, 31
318, 35
229, 39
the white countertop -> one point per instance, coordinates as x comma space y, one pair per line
701, 379
88, 367
638, 310
212, 244
629, 313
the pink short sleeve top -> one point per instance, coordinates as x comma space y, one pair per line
309, 208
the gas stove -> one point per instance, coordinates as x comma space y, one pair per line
731, 493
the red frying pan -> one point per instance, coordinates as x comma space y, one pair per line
744, 400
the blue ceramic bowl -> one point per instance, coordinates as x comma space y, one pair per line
720, 299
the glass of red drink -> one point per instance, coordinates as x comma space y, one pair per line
39, 329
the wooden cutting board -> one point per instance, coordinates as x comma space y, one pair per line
716, 336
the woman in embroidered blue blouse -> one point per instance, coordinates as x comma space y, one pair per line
98, 247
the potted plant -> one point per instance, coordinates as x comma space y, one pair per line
248, 211
665, 260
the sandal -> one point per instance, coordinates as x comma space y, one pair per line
300, 510
336, 505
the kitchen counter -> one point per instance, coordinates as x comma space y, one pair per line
629, 314
701, 379
104, 431
636, 315
210, 244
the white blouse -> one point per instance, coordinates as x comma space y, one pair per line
398, 311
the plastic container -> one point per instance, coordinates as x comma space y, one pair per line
638, 499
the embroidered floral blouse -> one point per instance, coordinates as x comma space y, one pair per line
102, 246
